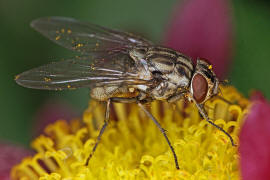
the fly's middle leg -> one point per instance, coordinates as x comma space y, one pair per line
139, 102
163, 132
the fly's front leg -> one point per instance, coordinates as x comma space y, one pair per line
204, 114
106, 121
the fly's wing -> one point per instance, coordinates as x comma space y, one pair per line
116, 69
85, 37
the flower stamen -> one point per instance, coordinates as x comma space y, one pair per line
131, 147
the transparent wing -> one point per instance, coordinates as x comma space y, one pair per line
85, 37
117, 69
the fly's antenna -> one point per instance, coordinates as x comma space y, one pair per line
224, 82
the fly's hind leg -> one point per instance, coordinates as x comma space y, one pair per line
106, 121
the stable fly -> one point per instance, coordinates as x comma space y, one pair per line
121, 67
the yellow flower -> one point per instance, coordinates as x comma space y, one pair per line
132, 147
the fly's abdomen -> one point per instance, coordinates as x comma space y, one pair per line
106, 92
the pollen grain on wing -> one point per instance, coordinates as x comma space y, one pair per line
133, 148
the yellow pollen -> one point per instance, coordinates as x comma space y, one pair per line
210, 67
131, 90
57, 38
132, 147
17, 77
79, 45
69, 31
47, 79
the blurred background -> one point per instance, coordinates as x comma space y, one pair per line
21, 48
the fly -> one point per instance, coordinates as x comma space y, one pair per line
121, 67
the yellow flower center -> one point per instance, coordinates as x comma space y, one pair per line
132, 147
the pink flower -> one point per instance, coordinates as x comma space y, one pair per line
10, 155
255, 141
203, 28
200, 28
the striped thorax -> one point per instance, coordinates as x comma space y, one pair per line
174, 75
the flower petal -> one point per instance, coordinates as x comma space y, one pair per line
255, 142
9, 156
202, 28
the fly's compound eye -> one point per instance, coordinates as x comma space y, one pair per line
199, 88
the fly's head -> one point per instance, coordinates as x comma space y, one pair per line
204, 83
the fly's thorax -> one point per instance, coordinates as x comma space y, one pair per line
161, 60
172, 69
137, 53
204, 83
169, 69
142, 66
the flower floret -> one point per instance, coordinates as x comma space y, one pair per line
132, 147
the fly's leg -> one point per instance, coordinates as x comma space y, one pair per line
203, 113
106, 121
162, 131
135, 100
124, 100
176, 97
131, 100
